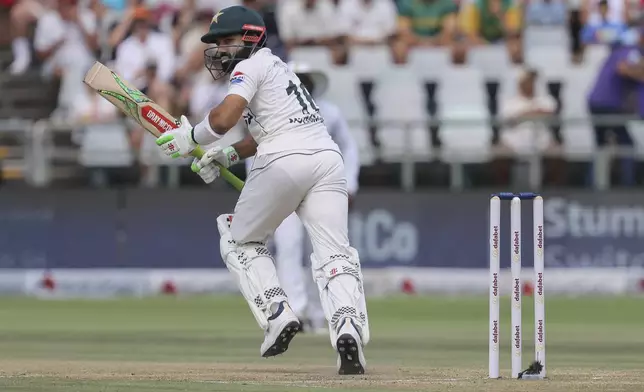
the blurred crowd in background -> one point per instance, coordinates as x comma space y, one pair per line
155, 44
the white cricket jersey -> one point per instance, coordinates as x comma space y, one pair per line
280, 115
339, 131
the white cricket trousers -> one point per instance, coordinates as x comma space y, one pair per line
310, 183
291, 245
292, 250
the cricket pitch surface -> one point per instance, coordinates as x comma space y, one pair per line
199, 344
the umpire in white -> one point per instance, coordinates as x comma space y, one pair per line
291, 246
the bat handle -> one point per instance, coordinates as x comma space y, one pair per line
225, 173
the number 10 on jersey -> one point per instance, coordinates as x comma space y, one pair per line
293, 89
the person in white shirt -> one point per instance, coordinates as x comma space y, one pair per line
372, 21
289, 238
617, 11
146, 50
309, 22
297, 168
65, 39
22, 14
145, 46
526, 131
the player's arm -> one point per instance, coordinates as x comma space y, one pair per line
630, 70
404, 22
222, 118
246, 148
182, 141
244, 83
448, 29
629, 64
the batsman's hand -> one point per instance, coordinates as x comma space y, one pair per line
206, 167
208, 172
178, 142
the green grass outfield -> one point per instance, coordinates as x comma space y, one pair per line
212, 344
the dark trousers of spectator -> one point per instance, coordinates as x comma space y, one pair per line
621, 137
574, 28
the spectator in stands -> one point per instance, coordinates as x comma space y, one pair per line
546, 13
634, 10
66, 41
147, 58
372, 22
91, 108
268, 11
109, 13
493, 21
575, 25
603, 30
313, 23
177, 17
425, 23
621, 75
591, 11
526, 132
23, 14
191, 75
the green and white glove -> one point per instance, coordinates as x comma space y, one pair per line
206, 167
178, 142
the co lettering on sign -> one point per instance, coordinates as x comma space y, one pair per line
381, 238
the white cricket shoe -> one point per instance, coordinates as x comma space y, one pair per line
349, 347
283, 325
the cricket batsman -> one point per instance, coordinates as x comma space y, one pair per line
290, 236
297, 168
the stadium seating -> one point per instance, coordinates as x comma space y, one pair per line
367, 62
399, 100
551, 61
465, 130
462, 94
105, 145
536, 36
394, 104
493, 61
577, 133
313, 55
430, 64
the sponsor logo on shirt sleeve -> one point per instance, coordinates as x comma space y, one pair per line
238, 77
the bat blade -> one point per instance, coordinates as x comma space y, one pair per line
136, 105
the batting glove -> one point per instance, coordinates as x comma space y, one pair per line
206, 167
178, 142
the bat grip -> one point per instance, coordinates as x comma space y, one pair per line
225, 173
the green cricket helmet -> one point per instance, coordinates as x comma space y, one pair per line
220, 60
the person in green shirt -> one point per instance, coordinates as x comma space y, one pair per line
493, 21
425, 23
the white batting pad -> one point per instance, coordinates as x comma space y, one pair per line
339, 280
254, 270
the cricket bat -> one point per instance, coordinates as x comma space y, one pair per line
142, 109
